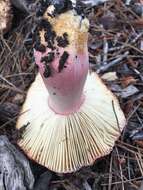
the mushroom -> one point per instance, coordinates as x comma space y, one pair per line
5, 15
71, 117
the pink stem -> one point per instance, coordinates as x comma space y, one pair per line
65, 87
64, 75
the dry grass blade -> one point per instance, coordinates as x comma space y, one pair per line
120, 168
110, 173
125, 181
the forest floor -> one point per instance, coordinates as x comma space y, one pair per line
116, 54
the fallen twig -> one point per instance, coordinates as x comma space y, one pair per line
113, 63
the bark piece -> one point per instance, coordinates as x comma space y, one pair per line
15, 172
94, 2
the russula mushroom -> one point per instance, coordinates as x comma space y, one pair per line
5, 15
71, 117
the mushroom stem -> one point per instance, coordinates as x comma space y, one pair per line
65, 88
68, 69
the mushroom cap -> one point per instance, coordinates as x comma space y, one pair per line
65, 143
5, 15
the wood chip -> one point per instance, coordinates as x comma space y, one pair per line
15, 172
110, 76
129, 91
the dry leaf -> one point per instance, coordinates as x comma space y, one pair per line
129, 91
110, 76
132, 62
140, 143
126, 81
128, 107
108, 20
